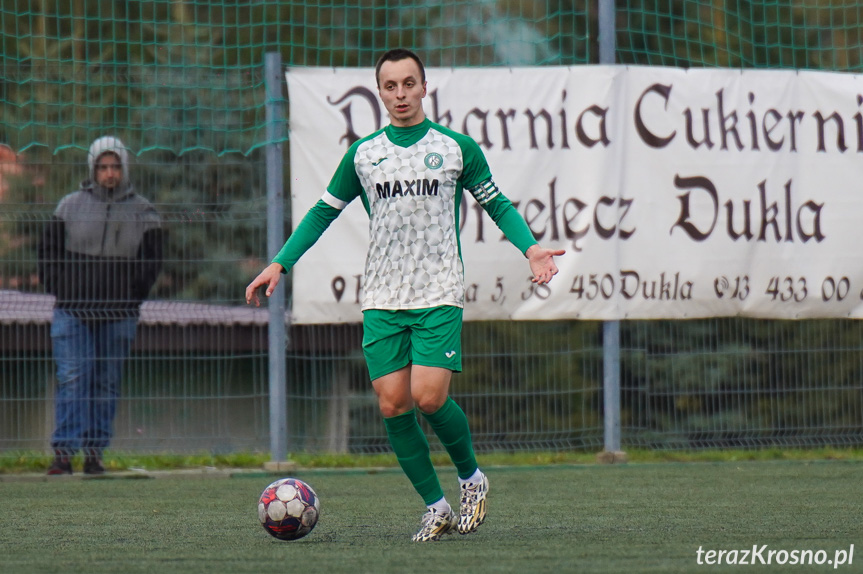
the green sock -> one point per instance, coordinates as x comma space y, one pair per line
412, 451
450, 424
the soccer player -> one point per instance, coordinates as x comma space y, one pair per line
413, 290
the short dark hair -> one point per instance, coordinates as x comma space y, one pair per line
396, 55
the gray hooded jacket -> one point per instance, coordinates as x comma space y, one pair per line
102, 251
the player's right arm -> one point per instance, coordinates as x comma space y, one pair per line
307, 234
343, 188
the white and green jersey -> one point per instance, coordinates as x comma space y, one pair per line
411, 182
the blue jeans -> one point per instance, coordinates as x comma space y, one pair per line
89, 357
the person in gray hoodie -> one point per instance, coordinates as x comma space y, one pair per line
99, 256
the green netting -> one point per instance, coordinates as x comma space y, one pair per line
812, 34
184, 75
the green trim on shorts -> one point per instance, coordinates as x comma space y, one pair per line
428, 337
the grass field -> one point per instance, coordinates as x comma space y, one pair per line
558, 518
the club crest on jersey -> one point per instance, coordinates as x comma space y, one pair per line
434, 160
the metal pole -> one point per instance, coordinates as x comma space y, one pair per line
611, 384
610, 329
607, 31
275, 118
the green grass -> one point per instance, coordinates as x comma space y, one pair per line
38, 461
555, 518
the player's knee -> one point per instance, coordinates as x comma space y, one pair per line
430, 403
392, 408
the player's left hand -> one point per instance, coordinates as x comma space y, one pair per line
542, 263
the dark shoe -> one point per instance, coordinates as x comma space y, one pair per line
61, 465
93, 465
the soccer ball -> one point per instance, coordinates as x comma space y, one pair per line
288, 509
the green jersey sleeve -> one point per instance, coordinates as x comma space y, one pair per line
475, 168
310, 229
509, 220
345, 185
476, 178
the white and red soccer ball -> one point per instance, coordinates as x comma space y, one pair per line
288, 509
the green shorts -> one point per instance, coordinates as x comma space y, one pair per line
428, 337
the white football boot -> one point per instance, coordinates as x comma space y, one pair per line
434, 525
473, 505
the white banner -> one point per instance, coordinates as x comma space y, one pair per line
676, 193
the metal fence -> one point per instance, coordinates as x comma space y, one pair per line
197, 382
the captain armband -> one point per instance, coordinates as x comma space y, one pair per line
485, 191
